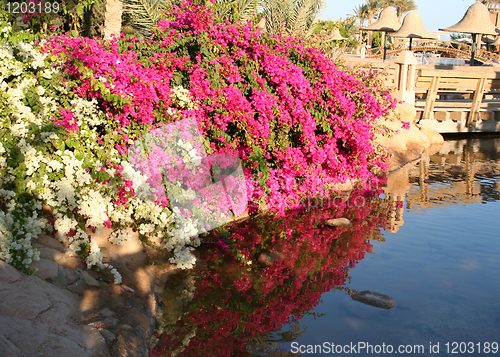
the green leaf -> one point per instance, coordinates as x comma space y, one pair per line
78, 155
59, 145
85, 164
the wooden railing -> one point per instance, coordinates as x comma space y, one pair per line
468, 97
462, 99
419, 45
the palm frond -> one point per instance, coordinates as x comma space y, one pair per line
309, 11
295, 16
275, 12
144, 14
235, 9
299, 15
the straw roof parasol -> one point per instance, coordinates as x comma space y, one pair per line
475, 21
387, 21
492, 41
412, 27
335, 35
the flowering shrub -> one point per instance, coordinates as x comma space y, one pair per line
57, 149
74, 109
294, 261
299, 123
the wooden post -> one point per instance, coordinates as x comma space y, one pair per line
431, 98
476, 101
474, 44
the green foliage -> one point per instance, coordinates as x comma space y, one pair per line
143, 14
86, 18
402, 6
294, 16
4, 15
456, 36
236, 10
377, 39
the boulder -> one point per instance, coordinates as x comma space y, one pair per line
8, 274
434, 137
374, 299
8, 348
46, 269
436, 140
66, 310
338, 222
403, 145
406, 145
69, 261
405, 112
89, 280
47, 241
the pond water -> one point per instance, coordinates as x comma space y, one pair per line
429, 237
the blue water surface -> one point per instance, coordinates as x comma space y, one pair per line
442, 267
430, 240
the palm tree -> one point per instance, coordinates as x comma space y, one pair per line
235, 10
360, 13
402, 6
373, 7
294, 16
349, 26
144, 14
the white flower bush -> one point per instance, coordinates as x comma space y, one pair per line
87, 184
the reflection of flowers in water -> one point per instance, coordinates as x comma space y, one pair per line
295, 259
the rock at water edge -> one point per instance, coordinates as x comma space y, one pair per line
375, 299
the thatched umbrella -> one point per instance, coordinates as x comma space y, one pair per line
491, 41
335, 35
387, 22
476, 21
412, 28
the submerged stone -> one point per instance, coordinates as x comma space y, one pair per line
375, 299
338, 222
269, 258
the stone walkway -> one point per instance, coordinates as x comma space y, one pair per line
65, 310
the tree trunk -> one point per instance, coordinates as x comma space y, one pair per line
113, 18
361, 39
371, 19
